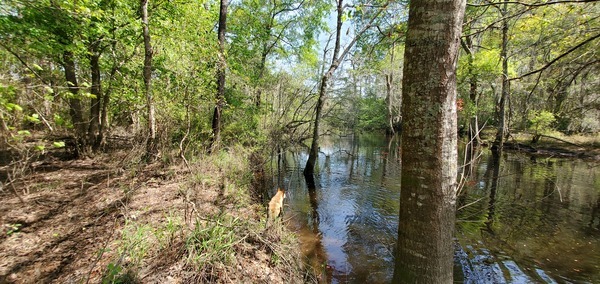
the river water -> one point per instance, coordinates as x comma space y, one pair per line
519, 219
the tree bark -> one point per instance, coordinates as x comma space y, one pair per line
221, 65
389, 81
429, 143
501, 107
103, 119
151, 145
75, 108
96, 90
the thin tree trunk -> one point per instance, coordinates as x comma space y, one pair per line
389, 81
501, 107
221, 65
103, 119
75, 108
105, 101
96, 90
495, 164
309, 169
314, 146
266, 49
474, 137
151, 146
429, 143
335, 63
261, 71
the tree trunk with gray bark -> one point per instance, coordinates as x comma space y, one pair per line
429, 143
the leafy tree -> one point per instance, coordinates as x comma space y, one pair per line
274, 30
552, 39
540, 123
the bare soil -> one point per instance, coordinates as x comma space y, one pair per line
67, 225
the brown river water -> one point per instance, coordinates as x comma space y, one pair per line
519, 219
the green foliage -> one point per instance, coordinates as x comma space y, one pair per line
376, 43
372, 114
9, 109
540, 122
272, 51
34, 118
111, 273
486, 64
21, 134
13, 229
484, 67
241, 127
264, 31
114, 274
58, 144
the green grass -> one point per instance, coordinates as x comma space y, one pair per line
170, 229
135, 244
211, 243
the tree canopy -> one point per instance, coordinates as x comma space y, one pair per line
74, 69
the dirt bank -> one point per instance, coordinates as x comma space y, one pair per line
113, 219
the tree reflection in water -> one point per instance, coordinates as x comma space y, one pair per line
516, 220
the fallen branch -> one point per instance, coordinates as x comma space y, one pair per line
561, 140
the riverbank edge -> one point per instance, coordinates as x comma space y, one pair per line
126, 222
555, 145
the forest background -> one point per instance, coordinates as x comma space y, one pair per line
198, 82
75, 69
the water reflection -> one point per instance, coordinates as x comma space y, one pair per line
519, 221
531, 224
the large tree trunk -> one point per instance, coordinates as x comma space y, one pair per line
221, 65
429, 143
501, 107
151, 145
75, 108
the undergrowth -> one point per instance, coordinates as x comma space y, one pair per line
210, 244
219, 237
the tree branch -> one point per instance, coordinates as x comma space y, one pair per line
337, 60
557, 58
532, 5
493, 24
24, 63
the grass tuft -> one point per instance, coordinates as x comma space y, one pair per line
210, 243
